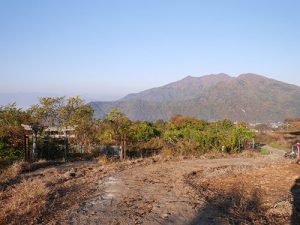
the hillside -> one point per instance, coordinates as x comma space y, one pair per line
249, 97
187, 88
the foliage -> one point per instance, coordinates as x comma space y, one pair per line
47, 112
76, 112
11, 131
118, 125
181, 135
61, 112
143, 131
264, 151
202, 136
58, 112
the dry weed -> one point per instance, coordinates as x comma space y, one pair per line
103, 160
237, 201
11, 173
26, 198
167, 153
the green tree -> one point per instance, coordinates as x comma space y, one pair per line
61, 113
118, 124
11, 131
78, 114
143, 131
75, 111
48, 112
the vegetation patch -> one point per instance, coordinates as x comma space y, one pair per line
264, 151
180, 136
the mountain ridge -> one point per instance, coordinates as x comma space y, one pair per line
250, 97
189, 84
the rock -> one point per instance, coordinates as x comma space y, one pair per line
72, 172
194, 173
165, 215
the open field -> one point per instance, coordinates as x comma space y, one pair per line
242, 190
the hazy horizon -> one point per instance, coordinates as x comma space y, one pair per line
103, 50
27, 99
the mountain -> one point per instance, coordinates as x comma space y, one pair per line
248, 97
186, 88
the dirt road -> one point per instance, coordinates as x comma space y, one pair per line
159, 193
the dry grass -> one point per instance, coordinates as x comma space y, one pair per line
240, 205
40, 196
247, 153
167, 153
11, 174
103, 160
246, 194
20, 197
23, 196
26, 199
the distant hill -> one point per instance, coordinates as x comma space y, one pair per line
249, 97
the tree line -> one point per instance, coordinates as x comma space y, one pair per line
180, 135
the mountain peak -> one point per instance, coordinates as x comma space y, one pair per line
213, 97
221, 75
188, 77
183, 89
207, 76
251, 75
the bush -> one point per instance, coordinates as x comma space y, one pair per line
199, 138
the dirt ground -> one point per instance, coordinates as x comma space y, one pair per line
255, 190
197, 191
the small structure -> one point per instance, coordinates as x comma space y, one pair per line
60, 132
49, 132
34, 129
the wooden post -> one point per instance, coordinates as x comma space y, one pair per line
46, 147
34, 149
124, 146
66, 145
26, 148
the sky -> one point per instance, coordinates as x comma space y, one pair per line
106, 49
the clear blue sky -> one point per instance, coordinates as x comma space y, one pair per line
107, 49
